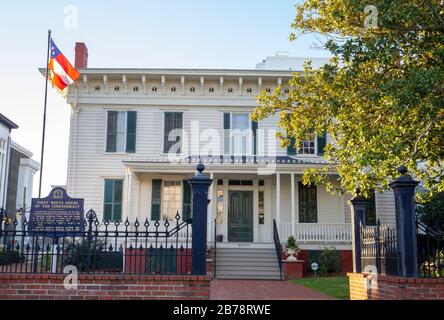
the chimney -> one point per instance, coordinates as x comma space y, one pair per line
81, 61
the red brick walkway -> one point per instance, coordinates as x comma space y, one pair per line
262, 290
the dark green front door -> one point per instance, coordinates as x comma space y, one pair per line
240, 216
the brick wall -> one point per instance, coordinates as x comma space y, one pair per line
104, 287
346, 260
395, 288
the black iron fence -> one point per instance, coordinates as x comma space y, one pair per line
379, 249
104, 247
430, 241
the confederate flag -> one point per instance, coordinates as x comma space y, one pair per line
62, 73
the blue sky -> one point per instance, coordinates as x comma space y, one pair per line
150, 34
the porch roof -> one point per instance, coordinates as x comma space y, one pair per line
230, 163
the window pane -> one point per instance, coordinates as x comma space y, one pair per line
172, 203
308, 212
220, 207
173, 121
109, 185
240, 141
121, 131
261, 208
118, 190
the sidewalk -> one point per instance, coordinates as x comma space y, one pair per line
262, 290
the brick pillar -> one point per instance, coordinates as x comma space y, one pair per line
404, 190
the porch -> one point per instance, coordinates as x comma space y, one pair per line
243, 202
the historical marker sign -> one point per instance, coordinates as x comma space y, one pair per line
56, 215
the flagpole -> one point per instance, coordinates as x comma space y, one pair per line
44, 114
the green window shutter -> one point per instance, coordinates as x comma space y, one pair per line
291, 148
111, 131
254, 126
131, 129
322, 141
156, 199
108, 200
186, 200
308, 208
112, 208
227, 127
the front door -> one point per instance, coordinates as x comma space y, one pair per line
240, 216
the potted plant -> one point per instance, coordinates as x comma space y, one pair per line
291, 249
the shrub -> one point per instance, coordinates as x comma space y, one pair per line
10, 256
329, 260
291, 243
77, 255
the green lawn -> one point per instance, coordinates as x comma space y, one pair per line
336, 287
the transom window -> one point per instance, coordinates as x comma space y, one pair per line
172, 199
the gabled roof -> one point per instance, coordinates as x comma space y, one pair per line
7, 122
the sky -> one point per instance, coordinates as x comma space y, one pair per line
127, 34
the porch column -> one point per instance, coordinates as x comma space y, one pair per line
293, 206
278, 201
129, 193
210, 231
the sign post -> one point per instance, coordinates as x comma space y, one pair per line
314, 267
55, 216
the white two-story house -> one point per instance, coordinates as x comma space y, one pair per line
136, 136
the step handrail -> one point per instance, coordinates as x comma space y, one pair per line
278, 247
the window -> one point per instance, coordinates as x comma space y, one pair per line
261, 208
307, 147
121, 131
240, 134
240, 182
220, 207
370, 217
172, 199
173, 125
112, 210
315, 146
308, 208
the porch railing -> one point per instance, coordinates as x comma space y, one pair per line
317, 232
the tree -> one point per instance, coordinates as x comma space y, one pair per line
380, 98
432, 212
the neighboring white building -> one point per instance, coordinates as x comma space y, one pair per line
283, 61
119, 162
6, 126
17, 170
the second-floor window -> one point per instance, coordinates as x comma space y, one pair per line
239, 134
309, 147
172, 136
121, 131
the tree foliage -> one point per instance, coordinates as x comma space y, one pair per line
380, 98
